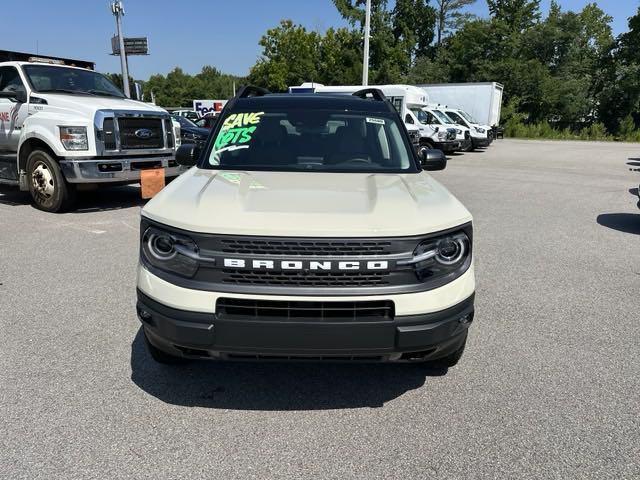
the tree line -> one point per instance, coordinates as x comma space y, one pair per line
565, 74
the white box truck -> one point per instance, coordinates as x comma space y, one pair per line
483, 101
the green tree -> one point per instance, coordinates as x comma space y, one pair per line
397, 35
517, 14
450, 16
619, 86
290, 56
413, 25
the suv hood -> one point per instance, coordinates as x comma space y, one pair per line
306, 204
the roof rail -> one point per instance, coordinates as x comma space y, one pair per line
376, 94
251, 91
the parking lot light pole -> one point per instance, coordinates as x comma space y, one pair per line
118, 11
367, 29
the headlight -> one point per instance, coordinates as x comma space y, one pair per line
480, 130
74, 138
170, 252
442, 135
458, 131
442, 256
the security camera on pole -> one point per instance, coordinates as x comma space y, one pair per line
118, 11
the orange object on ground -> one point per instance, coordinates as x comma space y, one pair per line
152, 181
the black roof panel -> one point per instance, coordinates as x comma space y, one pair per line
317, 101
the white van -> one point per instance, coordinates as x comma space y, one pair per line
481, 135
432, 116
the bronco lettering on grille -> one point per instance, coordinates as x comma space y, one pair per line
305, 264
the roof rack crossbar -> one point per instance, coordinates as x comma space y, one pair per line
375, 93
247, 91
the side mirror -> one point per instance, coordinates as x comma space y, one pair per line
432, 159
18, 96
187, 155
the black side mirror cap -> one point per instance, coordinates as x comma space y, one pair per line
187, 155
20, 97
432, 159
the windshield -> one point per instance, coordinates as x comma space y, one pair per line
442, 117
423, 117
184, 121
46, 78
468, 117
457, 118
311, 140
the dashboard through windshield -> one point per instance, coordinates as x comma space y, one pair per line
311, 140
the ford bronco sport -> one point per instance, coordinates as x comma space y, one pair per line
307, 229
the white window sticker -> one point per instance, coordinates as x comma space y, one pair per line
378, 121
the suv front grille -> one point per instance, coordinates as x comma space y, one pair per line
132, 135
367, 311
287, 278
305, 247
310, 266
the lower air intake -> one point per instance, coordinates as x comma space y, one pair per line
364, 311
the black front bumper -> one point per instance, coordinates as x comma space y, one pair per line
201, 335
480, 142
447, 147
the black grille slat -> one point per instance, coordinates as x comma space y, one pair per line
320, 248
109, 134
305, 279
168, 127
129, 126
378, 310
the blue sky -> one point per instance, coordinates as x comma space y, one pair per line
190, 33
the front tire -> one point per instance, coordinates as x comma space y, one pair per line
48, 188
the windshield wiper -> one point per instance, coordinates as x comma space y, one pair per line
102, 92
61, 90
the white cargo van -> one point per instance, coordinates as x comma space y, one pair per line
432, 116
481, 135
406, 99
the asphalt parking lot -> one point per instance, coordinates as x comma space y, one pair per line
548, 386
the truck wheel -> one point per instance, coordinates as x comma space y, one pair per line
49, 190
161, 356
450, 360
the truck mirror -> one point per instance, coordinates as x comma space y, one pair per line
187, 155
432, 159
18, 96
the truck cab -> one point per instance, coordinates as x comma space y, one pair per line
63, 126
430, 116
481, 135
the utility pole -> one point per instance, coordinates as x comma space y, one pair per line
118, 11
367, 30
